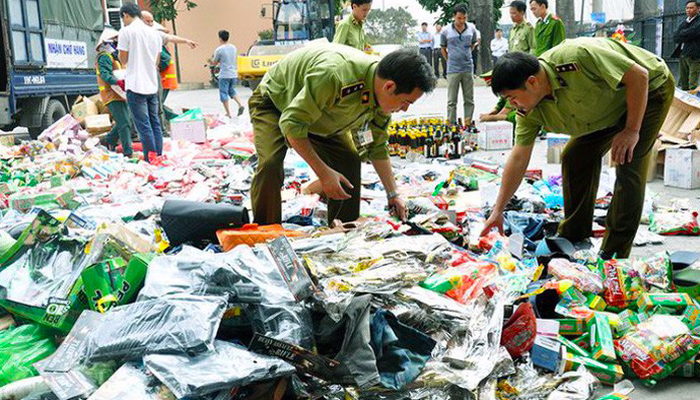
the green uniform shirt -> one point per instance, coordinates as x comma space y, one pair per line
548, 33
104, 62
350, 32
522, 38
328, 89
587, 95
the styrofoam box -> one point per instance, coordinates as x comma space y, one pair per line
191, 131
497, 135
682, 168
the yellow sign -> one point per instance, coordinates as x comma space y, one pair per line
256, 66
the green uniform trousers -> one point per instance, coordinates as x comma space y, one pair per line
122, 126
337, 151
581, 166
689, 73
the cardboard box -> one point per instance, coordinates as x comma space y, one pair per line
608, 374
677, 301
189, 127
572, 326
97, 124
682, 168
83, 107
101, 107
546, 351
496, 135
602, 346
555, 145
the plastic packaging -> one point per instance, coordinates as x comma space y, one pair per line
132, 381
585, 280
20, 348
675, 223
656, 271
623, 286
654, 349
228, 365
174, 325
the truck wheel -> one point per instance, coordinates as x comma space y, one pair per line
54, 111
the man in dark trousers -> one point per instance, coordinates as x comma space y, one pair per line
688, 38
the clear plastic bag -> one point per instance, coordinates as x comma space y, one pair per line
132, 381
227, 366
654, 349
584, 279
174, 325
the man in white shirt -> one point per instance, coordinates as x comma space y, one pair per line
425, 42
499, 45
139, 49
438, 59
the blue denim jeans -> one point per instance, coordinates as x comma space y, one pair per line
145, 112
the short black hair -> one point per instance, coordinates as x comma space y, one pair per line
541, 2
424, 24
131, 9
359, 2
224, 35
499, 30
512, 70
519, 5
409, 70
460, 8
697, 3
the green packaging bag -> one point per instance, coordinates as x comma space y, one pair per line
40, 275
20, 348
114, 282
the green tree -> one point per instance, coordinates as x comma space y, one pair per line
167, 10
266, 34
391, 26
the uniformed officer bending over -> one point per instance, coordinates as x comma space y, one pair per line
606, 95
310, 101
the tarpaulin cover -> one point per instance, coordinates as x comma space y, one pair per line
85, 14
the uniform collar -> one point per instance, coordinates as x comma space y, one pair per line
546, 18
354, 20
555, 81
369, 83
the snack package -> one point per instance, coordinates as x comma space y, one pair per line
675, 223
584, 279
657, 347
656, 271
623, 286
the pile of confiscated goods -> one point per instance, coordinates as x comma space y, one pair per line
124, 280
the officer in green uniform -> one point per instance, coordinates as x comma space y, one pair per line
549, 30
522, 35
605, 94
350, 31
310, 101
106, 64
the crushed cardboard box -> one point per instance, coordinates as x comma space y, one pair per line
97, 124
83, 107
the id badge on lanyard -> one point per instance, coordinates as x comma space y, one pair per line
364, 137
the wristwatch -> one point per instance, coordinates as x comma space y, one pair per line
391, 195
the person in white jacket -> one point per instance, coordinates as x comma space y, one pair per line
499, 46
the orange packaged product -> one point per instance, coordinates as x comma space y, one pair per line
251, 234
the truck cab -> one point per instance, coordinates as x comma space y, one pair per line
47, 53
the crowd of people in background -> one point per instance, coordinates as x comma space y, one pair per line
454, 50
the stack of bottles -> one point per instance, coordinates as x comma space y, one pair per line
432, 138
